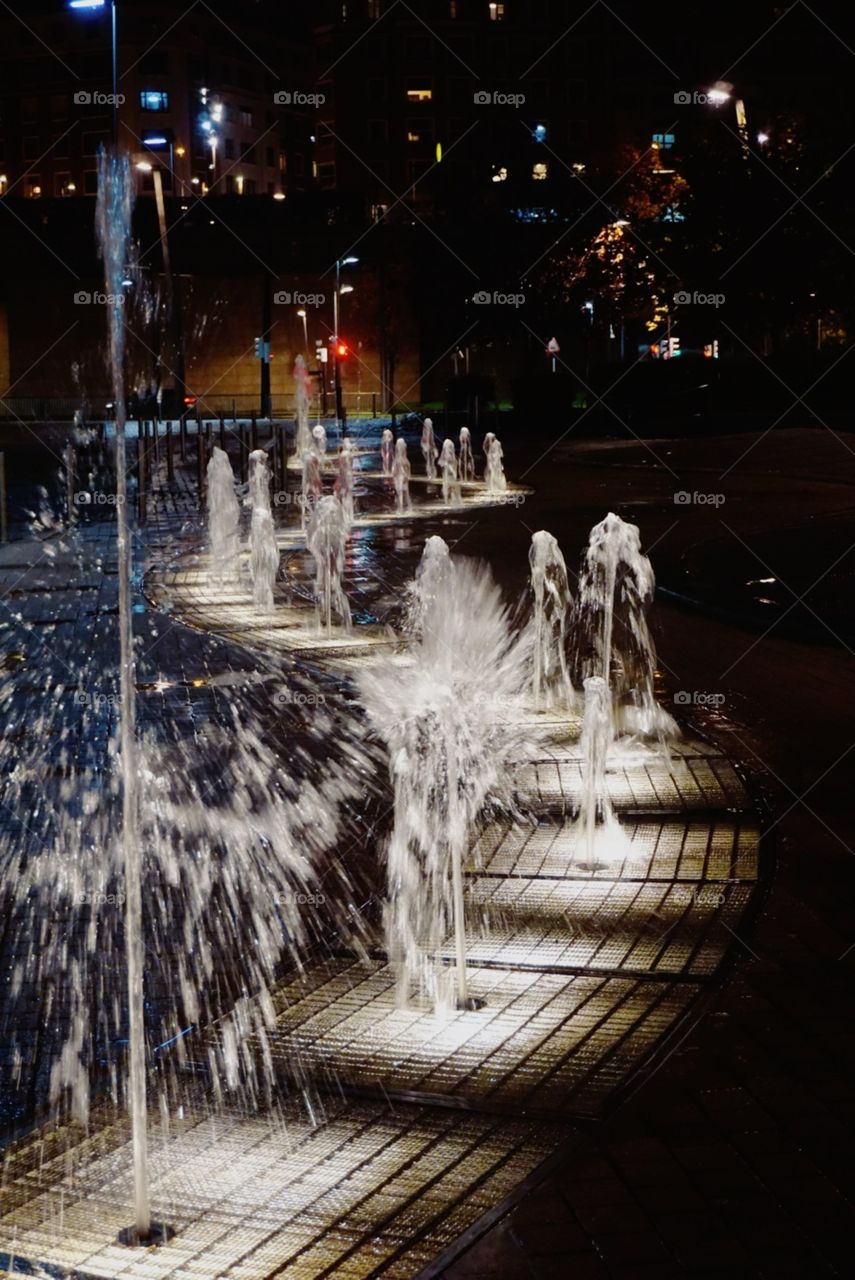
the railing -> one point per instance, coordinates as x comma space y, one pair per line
356, 404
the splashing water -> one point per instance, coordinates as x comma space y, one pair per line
429, 449
488, 440
494, 476
597, 829
302, 399
450, 755
467, 461
401, 472
223, 518
344, 480
263, 551
387, 452
450, 484
113, 227
312, 486
319, 438
552, 601
611, 637
329, 529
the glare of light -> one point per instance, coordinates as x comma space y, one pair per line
86, 4
719, 93
346, 288
302, 314
181, 151
155, 140
762, 138
144, 166
279, 195
195, 182
540, 133
348, 262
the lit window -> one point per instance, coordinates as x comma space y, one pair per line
663, 141
32, 186
497, 12
374, 9
452, 9
500, 175
154, 100
540, 172
419, 91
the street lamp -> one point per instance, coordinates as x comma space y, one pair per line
303, 316
722, 92
339, 289
95, 5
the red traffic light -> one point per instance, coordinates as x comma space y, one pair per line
189, 399
342, 350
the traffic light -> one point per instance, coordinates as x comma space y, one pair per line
342, 350
262, 350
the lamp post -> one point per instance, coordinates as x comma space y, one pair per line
91, 5
339, 289
303, 316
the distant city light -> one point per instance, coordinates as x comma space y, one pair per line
540, 133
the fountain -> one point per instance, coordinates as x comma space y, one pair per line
467, 461
596, 825
113, 226
401, 472
264, 553
451, 496
223, 518
552, 601
488, 440
319, 437
429, 449
302, 399
450, 755
387, 452
329, 529
611, 637
312, 486
344, 479
494, 476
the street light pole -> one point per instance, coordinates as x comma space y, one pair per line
115, 42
